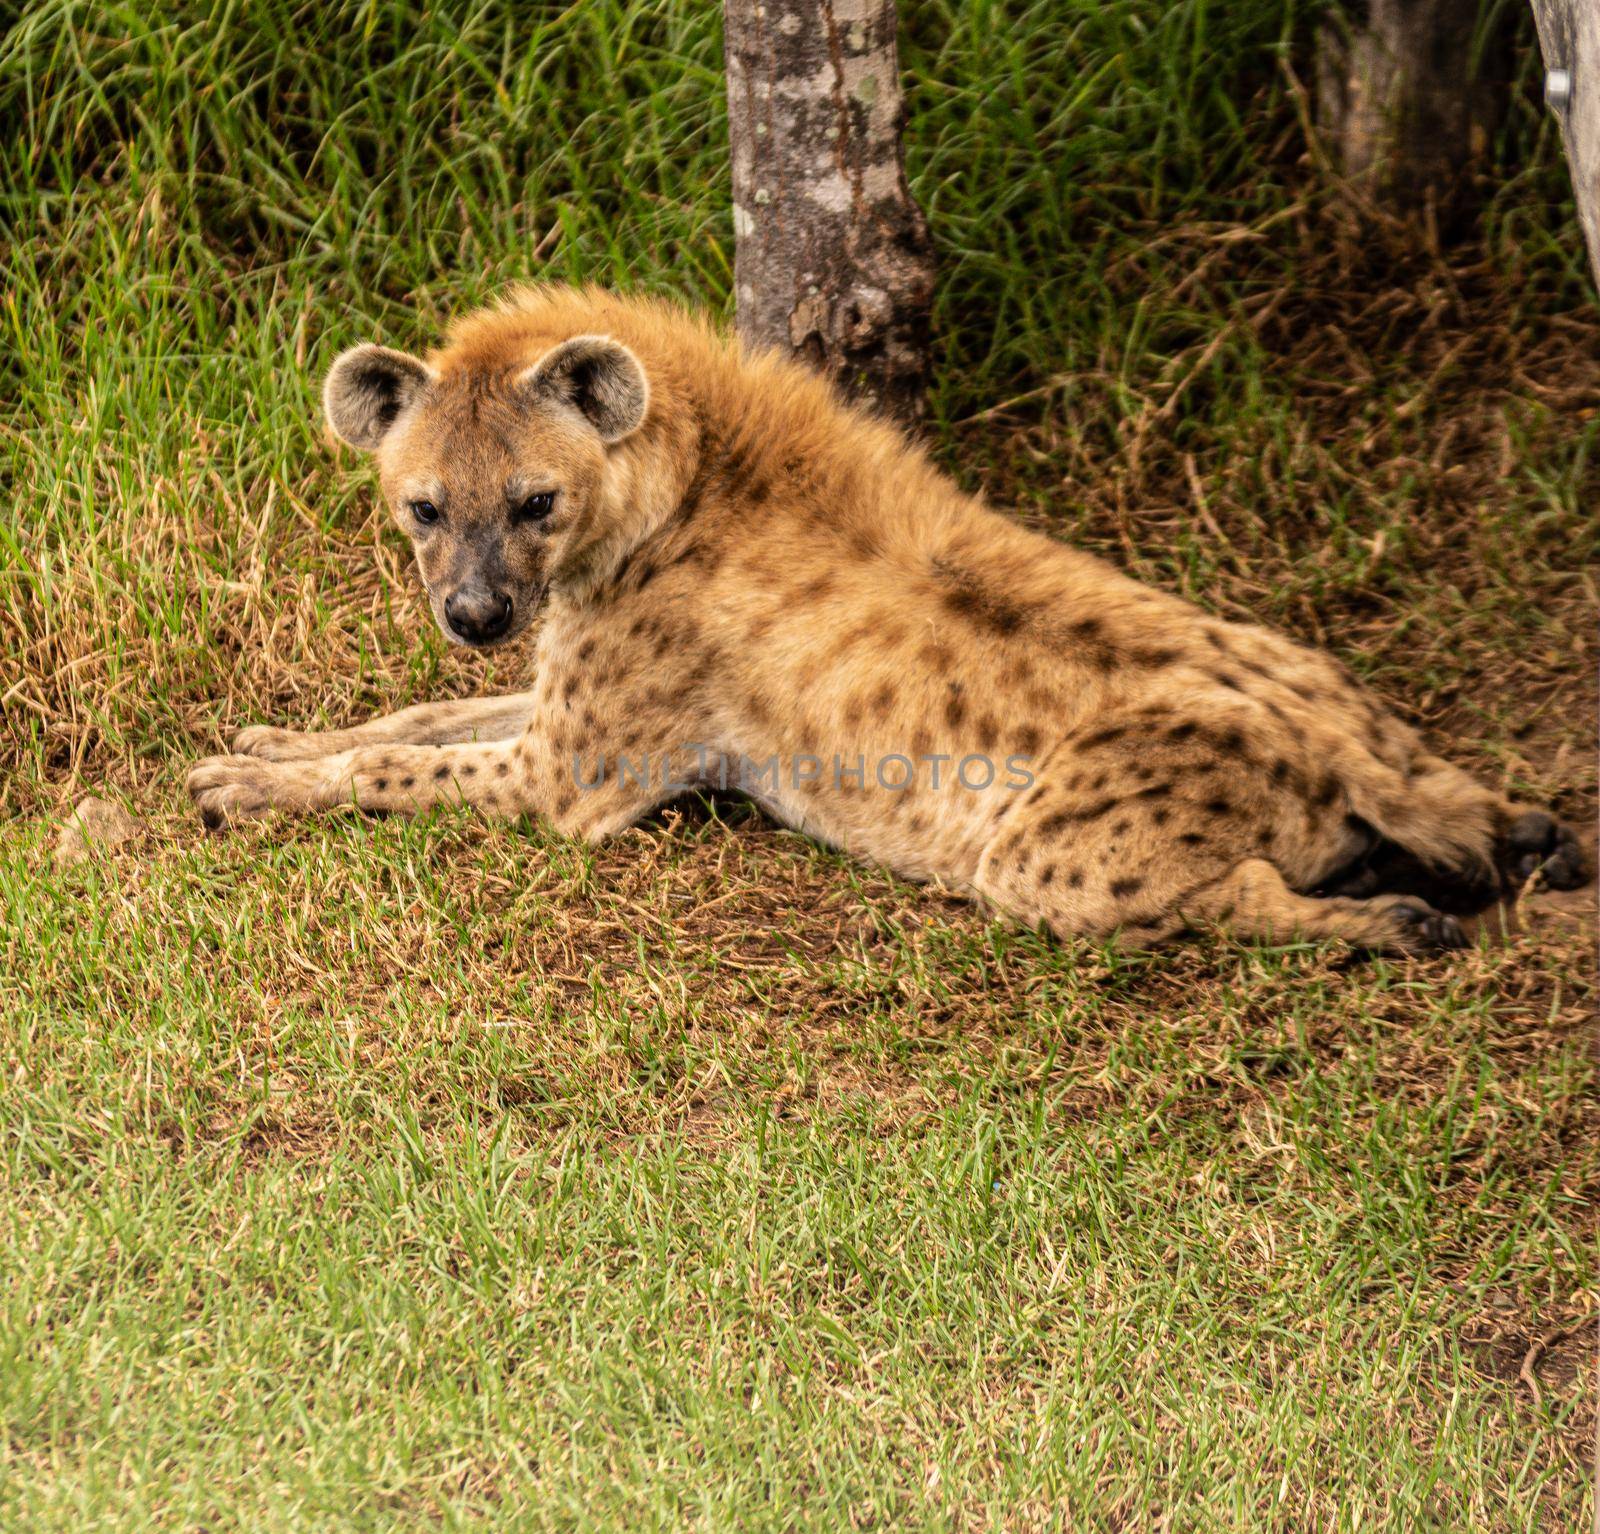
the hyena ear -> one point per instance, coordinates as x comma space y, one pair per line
366, 388
599, 378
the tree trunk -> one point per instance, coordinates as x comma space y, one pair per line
1569, 37
832, 257
1409, 94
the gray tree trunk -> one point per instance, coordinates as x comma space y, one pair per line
1569, 37
1409, 94
832, 256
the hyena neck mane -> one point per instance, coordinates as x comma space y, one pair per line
728, 435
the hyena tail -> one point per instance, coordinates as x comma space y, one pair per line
1440, 834
1433, 833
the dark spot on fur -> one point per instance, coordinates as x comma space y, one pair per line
383, 783
1123, 887
504, 768
966, 598
1224, 680
1191, 839
1218, 807
1075, 879
954, 712
440, 774
1077, 817
1103, 737
1182, 731
407, 782
1028, 741
1047, 873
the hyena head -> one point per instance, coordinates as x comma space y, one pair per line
495, 473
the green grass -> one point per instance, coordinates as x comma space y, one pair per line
450, 1174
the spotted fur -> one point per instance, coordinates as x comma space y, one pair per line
737, 561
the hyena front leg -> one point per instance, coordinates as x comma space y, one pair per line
490, 774
423, 724
524, 775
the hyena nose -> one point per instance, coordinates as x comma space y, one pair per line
478, 615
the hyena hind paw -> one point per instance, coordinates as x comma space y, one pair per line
1539, 843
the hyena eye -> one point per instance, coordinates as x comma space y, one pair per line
425, 512
535, 508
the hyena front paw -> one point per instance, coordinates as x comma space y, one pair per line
1539, 843
230, 788
274, 745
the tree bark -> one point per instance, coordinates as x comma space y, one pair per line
832, 256
1569, 38
1409, 95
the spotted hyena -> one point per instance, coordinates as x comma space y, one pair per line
739, 579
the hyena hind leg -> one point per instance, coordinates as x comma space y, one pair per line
423, 724
1252, 900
